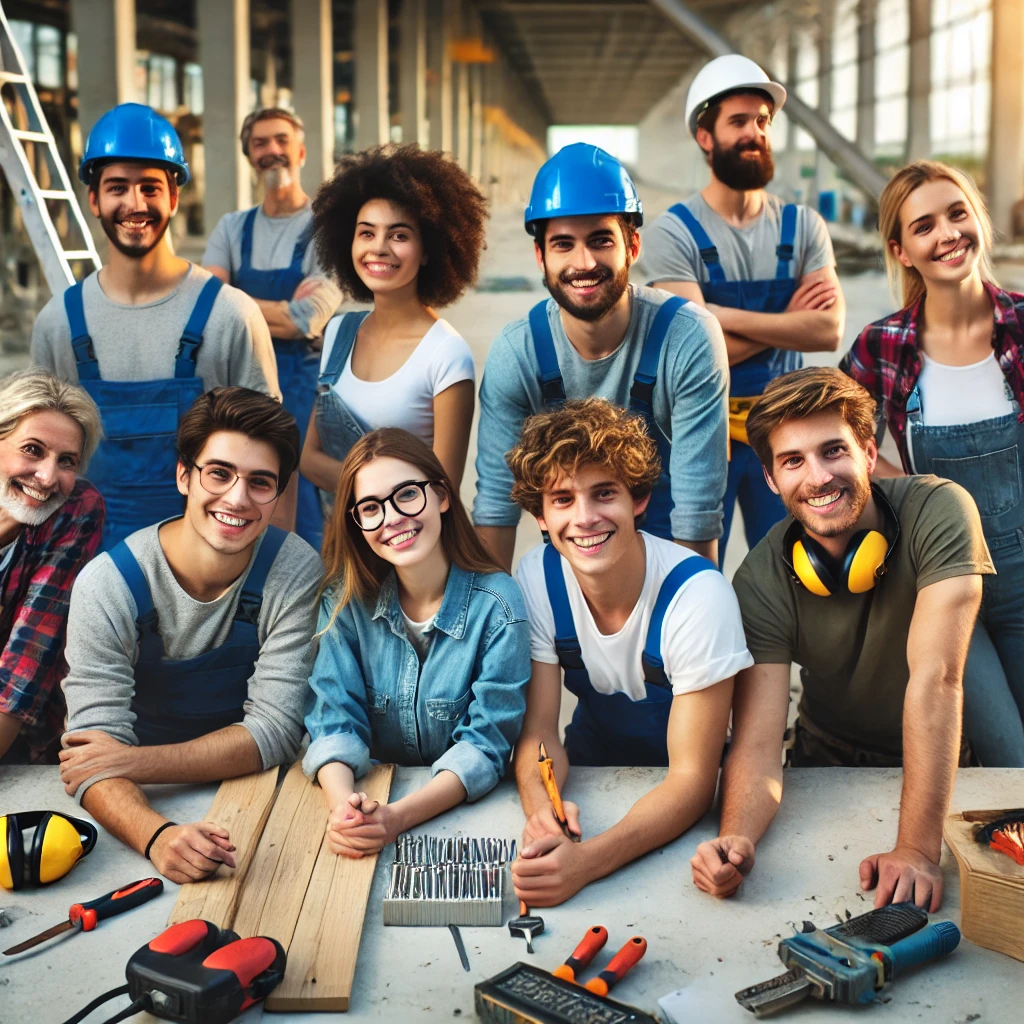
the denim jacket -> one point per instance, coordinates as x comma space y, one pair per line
461, 710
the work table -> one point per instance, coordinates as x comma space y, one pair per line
806, 869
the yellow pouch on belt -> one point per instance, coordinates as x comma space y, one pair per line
739, 410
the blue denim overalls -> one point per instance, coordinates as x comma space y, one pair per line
336, 424
134, 465
297, 361
641, 397
761, 507
609, 729
985, 459
177, 701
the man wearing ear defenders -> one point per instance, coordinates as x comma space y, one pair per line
873, 590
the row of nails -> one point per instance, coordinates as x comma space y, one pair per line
453, 849
446, 882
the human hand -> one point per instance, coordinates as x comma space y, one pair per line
550, 870
903, 875
720, 865
189, 853
360, 827
814, 295
307, 286
544, 823
93, 752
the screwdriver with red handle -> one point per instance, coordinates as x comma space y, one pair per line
621, 964
85, 916
589, 947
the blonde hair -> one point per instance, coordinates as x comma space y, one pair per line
37, 390
905, 283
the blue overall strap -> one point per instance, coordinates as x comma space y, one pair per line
708, 251
653, 664
551, 387
785, 249
146, 618
344, 339
301, 245
192, 338
251, 599
81, 342
566, 642
641, 394
247, 227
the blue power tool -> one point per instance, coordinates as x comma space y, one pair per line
851, 962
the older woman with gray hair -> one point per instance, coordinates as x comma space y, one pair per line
51, 523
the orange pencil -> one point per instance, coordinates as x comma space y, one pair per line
547, 774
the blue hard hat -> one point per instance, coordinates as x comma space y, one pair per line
131, 131
580, 180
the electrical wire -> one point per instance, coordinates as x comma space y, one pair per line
98, 1001
142, 1003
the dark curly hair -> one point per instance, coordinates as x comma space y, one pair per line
449, 209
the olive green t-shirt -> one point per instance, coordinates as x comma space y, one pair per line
853, 647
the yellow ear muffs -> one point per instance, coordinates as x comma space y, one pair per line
60, 850
59, 842
6, 869
864, 558
809, 570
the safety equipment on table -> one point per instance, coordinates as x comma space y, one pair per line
581, 180
132, 131
58, 844
861, 566
731, 73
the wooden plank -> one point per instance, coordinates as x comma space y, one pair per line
325, 944
241, 806
284, 861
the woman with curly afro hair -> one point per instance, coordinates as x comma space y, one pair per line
401, 228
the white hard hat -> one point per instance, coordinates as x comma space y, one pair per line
730, 73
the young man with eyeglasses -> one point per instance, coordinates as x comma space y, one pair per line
190, 643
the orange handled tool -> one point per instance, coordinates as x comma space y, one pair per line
592, 943
547, 774
622, 963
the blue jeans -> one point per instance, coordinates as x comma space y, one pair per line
762, 507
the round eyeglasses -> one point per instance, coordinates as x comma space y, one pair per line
219, 479
408, 499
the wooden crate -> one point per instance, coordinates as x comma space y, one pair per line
991, 886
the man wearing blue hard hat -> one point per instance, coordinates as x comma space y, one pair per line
598, 335
150, 331
765, 268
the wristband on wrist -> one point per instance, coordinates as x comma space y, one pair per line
153, 838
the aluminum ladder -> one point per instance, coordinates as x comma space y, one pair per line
27, 152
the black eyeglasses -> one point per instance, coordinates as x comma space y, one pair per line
219, 479
408, 499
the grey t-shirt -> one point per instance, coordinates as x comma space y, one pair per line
273, 243
670, 252
102, 642
140, 342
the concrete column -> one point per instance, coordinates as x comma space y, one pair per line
792, 54
106, 57
268, 90
223, 30
919, 128
412, 75
866, 76
313, 85
440, 99
476, 122
1006, 117
370, 45
462, 131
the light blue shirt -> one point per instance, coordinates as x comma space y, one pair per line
690, 406
460, 710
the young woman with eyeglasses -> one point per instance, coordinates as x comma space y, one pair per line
424, 645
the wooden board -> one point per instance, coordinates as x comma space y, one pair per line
325, 943
241, 806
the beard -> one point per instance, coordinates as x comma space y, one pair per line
135, 252
611, 289
15, 505
740, 172
858, 492
276, 172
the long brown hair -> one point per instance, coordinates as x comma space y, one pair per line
352, 569
906, 283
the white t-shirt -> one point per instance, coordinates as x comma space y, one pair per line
951, 395
702, 639
418, 633
406, 398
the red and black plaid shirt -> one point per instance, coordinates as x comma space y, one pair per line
35, 591
887, 361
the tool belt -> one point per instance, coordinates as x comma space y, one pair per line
739, 410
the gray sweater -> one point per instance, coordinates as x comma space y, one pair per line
102, 642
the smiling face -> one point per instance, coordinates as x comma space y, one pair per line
277, 151
387, 250
939, 233
739, 144
402, 539
590, 517
38, 463
233, 520
134, 203
821, 472
586, 263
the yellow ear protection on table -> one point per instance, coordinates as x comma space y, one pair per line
862, 565
58, 844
